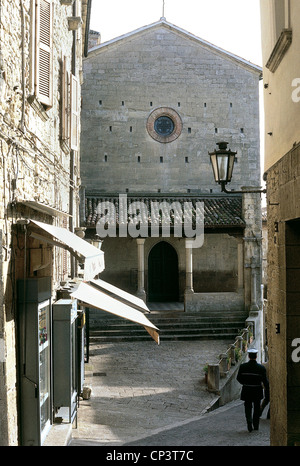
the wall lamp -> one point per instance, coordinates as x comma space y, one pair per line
222, 161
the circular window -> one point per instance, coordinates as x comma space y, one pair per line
164, 124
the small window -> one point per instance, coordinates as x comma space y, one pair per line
130, 129
123, 103
242, 130
216, 130
189, 130
186, 160
161, 159
204, 104
139, 159
151, 104
105, 158
110, 128
178, 104
231, 104
100, 102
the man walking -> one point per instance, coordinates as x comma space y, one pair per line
253, 377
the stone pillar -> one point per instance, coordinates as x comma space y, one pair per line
240, 263
189, 266
254, 305
213, 378
141, 269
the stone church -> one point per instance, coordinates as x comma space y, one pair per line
155, 101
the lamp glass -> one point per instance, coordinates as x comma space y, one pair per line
222, 166
213, 158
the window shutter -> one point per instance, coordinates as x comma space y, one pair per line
74, 124
43, 65
65, 105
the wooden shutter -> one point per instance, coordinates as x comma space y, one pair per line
43, 64
65, 256
65, 103
74, 124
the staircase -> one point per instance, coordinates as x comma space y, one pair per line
173, 325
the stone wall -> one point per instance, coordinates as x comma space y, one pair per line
213, 95
35, 167
283, 311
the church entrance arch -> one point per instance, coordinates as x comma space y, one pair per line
163, 282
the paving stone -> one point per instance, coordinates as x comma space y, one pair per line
155, 392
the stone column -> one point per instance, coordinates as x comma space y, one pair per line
141, 269
240, 263
189, 266
254, 306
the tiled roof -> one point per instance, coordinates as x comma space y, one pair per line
219, 211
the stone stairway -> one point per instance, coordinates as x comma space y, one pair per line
174, 324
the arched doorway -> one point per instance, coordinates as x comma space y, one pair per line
163, 273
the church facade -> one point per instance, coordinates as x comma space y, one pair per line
154, 103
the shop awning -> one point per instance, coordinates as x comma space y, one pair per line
121, 295
90, 296
92, 257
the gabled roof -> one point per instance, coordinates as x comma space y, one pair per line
164, 23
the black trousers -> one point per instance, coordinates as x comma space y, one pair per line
252, 412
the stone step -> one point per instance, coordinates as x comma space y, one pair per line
164, 326
127, 330
174, 326
173, 337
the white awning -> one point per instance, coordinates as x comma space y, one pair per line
121, 295
90, 296
92, 257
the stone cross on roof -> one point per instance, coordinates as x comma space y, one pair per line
163, 10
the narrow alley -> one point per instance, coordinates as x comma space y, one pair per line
144, 394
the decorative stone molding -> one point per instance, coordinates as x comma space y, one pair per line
280, 50
170, 114
74, 22
38, 107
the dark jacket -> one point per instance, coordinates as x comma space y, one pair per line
253, 377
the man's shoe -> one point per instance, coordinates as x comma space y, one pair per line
249, 425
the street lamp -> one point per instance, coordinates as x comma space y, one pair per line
222, 161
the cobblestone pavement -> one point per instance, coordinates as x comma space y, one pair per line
141, 390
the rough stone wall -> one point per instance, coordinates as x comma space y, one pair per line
283, 311
215, 98
33, 166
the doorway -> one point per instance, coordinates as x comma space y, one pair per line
163, 283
